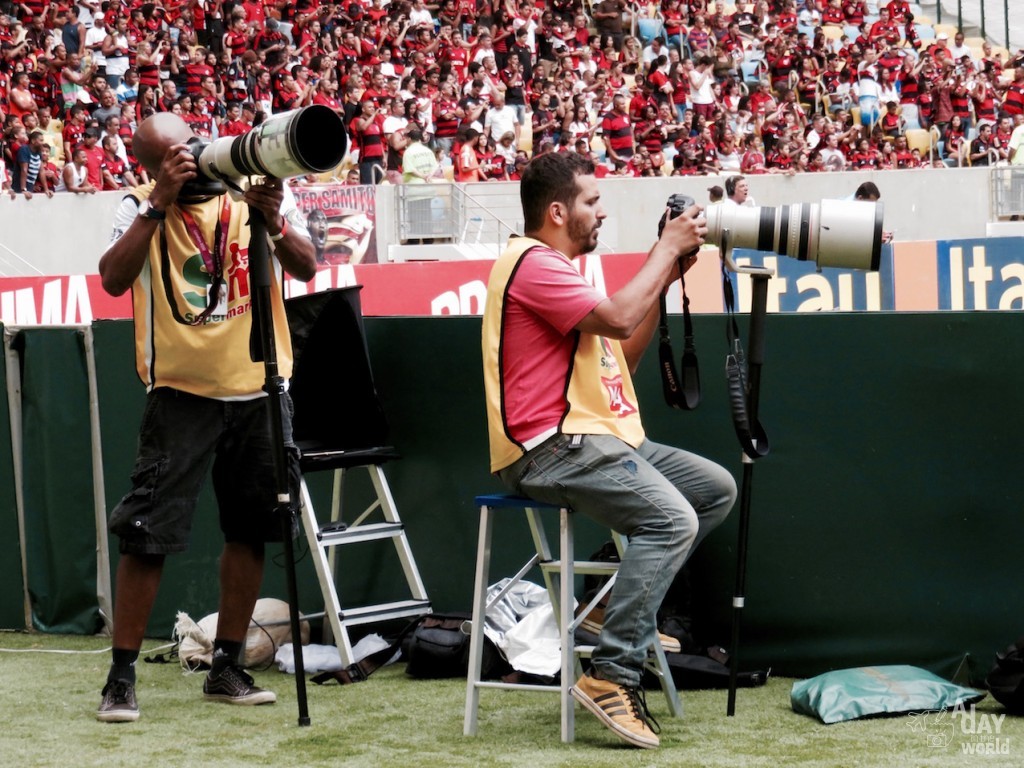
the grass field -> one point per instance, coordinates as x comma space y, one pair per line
47, 702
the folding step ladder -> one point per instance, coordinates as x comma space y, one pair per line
324, 537
339, 425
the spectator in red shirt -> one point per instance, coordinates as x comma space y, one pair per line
901, 152
832, 15
326, 94
899, 11
891, 122
855, 11
618, 130
367, 131
114, 170
94, 156
233, 124
884, 30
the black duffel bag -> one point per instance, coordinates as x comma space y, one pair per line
1006, 679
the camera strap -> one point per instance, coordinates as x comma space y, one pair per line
213, 260
682, 393
753, 439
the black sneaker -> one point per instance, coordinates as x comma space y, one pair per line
118, 704
232, 685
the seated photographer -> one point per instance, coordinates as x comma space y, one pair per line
184, 255
564, 421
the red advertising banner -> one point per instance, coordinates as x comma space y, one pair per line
417, 288
341, 221
985, 274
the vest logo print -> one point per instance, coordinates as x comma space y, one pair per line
234, 298
617, 402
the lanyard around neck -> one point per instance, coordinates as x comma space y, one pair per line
213, 259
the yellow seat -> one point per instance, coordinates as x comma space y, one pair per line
526, 135
832, 33
921, 140
949, 29
974, 42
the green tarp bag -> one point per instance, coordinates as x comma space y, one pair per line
847, 694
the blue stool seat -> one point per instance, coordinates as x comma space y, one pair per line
559, 576
510, 500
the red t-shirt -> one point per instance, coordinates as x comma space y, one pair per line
546, 299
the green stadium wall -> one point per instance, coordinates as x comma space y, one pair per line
885, 523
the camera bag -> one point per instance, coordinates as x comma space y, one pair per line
434, 646
1005, 681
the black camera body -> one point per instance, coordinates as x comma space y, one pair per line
676, 205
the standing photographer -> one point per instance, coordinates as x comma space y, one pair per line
563, 417
205, 400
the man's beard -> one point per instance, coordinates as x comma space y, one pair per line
582, 236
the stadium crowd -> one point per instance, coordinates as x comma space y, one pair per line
680, 88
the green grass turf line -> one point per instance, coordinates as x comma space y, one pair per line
47, 705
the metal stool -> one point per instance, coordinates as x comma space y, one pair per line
559, 577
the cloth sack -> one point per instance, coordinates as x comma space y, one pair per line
269, 628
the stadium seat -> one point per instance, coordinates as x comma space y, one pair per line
752, 71
949, 29
925, 32
648, 29
832, 33
526, 135
922, 140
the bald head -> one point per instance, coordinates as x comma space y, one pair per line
157, 134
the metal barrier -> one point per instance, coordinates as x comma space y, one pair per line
448, 212
1006, 190
481, 222
987, 17
480, 226
425, 212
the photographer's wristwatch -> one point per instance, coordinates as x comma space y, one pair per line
147, 211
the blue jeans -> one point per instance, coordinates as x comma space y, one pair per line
663, 499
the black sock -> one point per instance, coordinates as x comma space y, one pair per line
226, 652
123, 666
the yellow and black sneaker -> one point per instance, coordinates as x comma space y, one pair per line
619, 708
